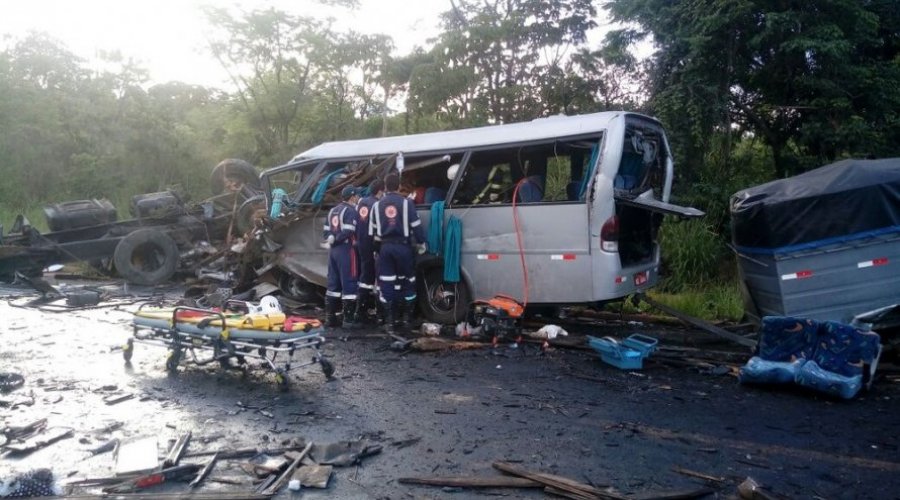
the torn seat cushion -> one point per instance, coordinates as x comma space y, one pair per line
828, 357
787, 339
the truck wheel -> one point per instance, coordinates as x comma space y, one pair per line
146, 257
235, 168
442, 302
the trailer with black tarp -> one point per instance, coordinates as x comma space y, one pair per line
824, 244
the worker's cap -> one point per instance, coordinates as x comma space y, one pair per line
349, 192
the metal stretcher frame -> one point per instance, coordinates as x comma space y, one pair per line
223, 343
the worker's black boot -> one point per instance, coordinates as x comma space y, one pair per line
389, 315
363, 307
350, 322
331, 312
404, 319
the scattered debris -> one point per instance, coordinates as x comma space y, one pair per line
429, 344
430, 329
137, 455
343, 453
110, 445
204, 471
628, 354
313, 476
559, 485
473, 482
10, 381
698, 475
699, 323
38, 441
272, 489
117, 398
749, 489
177, 450
177, 473
548, 332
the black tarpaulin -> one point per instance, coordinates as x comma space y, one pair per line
842, 199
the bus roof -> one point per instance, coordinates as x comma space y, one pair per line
454, 140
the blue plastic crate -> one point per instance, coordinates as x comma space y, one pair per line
628, 354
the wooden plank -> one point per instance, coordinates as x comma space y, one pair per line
699, 323
286, 475
204, 472
473, 482
699, 475
674, 495
568, 494
177, 450
558, 482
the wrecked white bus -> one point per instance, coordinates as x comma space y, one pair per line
584, 232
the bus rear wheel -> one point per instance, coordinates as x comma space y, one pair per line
441, 301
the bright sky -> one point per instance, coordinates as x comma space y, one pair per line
167, 36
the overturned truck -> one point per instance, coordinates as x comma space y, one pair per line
824, 244
585, 230
165, 234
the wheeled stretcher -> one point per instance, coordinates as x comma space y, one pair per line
209, 336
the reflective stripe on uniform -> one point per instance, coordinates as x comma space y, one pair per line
375, 222
367, 286
411, 280
350, 296
351, 227
388, 278
416, 223
405, 218
332, 294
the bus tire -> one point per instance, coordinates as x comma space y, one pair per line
442, 302
146, 257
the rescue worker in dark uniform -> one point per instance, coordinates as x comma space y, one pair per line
395, 225
365, 245
343, 268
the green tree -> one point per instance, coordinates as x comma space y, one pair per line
814, 80
273, 59
490, 60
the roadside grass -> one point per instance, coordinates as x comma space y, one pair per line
711, 302
34, 214
714, 302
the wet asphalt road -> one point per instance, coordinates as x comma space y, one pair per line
447, 414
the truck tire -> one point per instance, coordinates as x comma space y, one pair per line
236, 168
146, 257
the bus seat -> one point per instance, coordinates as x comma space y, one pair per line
434, 194
624, 182
572, 190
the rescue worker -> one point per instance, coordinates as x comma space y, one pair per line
343, 268
395, 225
365, 245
